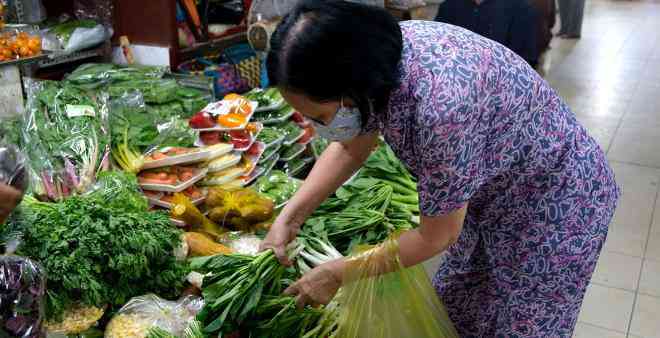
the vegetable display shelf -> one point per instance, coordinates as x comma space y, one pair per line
54, 60
25, 61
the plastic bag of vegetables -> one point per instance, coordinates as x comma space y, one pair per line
142, 314
22, 291
97, 74
153, 90
75, 35
378, 304
66, 138
137, 130
239, 209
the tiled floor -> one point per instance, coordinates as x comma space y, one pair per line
611, 79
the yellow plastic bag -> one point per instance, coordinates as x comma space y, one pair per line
401, 303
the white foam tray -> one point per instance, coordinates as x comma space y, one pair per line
229, 164
254, 106
175, 188
198, 156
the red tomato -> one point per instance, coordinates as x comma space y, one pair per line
239, 134
201, 120
254, 149
297, 117
210, 138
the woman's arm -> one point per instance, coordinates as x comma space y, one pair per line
434, 236
334, 167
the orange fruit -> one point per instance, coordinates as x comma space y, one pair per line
232, 96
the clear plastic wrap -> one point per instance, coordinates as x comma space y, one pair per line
141, 133
73, 36
153, 90
95, 75
22, 292
75, 320
65, 137
142, 314
401, 303
13, 170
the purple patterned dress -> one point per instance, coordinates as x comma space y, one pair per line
476, 124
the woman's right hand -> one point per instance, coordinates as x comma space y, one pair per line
281, 233
337, 163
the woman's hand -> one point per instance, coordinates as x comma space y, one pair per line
281, 233
9, 199
318, 286
334, 167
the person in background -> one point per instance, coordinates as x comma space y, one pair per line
511, 186
510, 22
571, 13
9, 199
546, 19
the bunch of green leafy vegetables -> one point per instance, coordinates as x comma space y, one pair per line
157, 91
66, 138
243, 292
135, 131
356, 218
64, 30
95, 75
101, 248
383, 165
380, 200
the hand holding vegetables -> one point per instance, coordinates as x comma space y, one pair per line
318, 286
281, 233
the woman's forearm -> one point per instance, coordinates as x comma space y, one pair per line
336, 165
415, 246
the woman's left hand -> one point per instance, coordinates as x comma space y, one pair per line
319, 285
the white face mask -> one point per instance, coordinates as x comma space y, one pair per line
346, 125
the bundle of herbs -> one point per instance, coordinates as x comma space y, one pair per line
101, 248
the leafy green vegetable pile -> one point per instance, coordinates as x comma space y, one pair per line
245, 292
101, 248
382, 199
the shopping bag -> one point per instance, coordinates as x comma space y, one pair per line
400, 303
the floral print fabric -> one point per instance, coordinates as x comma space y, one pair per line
475, 124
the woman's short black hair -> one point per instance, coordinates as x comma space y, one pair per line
329, 49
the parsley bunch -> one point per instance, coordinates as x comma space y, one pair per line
101, 248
